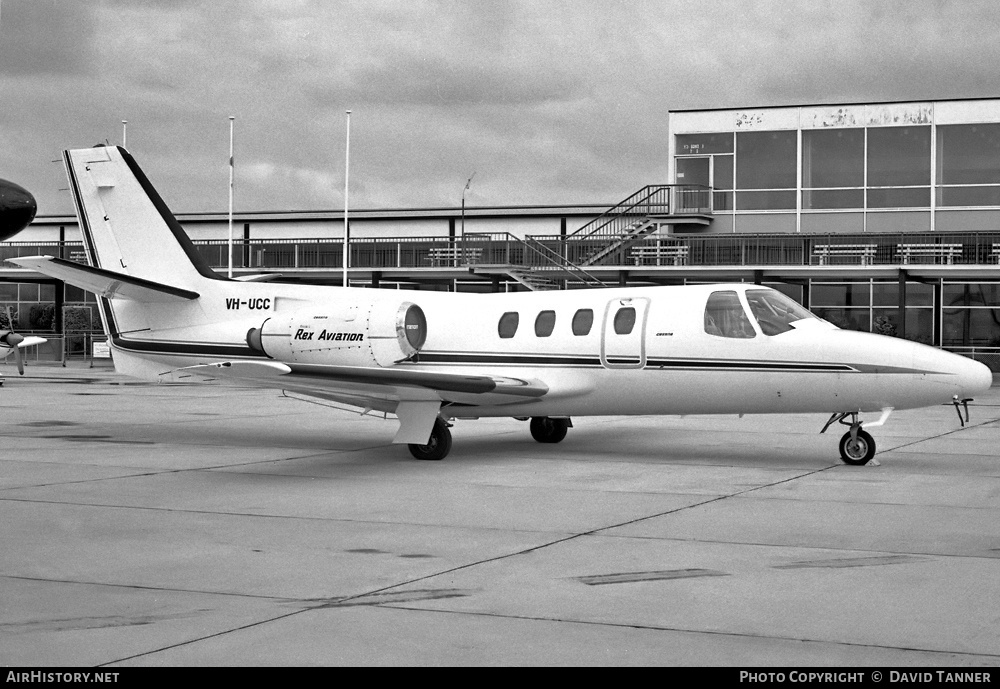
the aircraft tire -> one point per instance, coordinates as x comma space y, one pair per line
548, 430
438, 446
860, 453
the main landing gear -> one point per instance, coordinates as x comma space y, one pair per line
857, 447
439, 444
547, 429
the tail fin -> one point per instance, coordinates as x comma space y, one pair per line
126, 226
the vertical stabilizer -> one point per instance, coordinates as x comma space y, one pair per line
125, 224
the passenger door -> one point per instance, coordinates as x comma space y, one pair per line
623, 333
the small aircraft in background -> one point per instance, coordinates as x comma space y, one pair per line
11, 342
430, 357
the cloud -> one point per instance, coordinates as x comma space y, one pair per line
550, 101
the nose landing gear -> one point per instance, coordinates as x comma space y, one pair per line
857, 447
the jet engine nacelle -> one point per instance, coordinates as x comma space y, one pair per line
360, 335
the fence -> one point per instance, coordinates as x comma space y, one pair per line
905, 248
60, 349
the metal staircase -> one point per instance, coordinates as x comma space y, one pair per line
639, 215
532, 263
548, 262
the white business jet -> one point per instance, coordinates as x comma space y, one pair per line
430, 358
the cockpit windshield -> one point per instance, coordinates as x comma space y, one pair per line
774, 311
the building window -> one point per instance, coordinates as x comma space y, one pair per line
833, 168
899, 156
508, 324
971, 315
872, 306
968, 159
766, 161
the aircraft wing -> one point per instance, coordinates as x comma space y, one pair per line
414, 396
292, 375
105, 283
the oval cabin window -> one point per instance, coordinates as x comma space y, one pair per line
545, 323
508, 324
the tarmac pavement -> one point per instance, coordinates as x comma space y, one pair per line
199, 525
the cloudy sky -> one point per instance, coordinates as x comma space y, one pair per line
546, 101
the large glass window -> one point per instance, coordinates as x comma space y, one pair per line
899, 157
968, 154
873, 306
766, 160
833, 158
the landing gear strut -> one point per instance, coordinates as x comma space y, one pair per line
438, 446
546, 429
857, 447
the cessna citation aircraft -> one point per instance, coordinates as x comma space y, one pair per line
430, 358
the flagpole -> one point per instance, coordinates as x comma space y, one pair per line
347, 171
231, 118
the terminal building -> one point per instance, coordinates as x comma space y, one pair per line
882, 217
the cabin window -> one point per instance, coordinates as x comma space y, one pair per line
583, 321
624, 320
725, 317
775, 313
545, 323
508, 324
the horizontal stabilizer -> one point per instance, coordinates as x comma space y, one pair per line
105, 283
238, 370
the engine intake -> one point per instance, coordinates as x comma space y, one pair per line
357, 335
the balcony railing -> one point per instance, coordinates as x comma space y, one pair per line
567, 252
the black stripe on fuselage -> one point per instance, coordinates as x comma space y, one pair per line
459, 358
452, 359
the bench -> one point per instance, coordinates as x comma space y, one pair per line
864, 252
453, 256
948, 252
675, 254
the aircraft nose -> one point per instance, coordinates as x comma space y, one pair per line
973, 377
17, 209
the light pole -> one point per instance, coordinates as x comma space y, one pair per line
347, 172
125, 134
231, 119
467, 184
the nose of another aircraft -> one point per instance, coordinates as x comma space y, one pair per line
17, 208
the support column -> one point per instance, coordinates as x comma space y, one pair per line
901, 317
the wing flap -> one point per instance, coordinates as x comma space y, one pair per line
318, 374
105, 283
